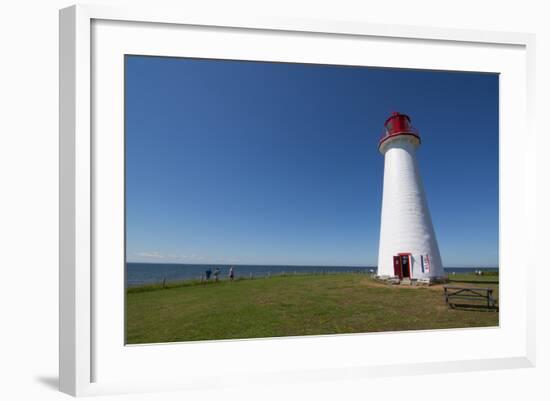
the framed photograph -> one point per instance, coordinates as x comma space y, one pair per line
285, 199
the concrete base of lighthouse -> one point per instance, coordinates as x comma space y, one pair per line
412, 280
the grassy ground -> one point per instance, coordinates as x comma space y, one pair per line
293, 305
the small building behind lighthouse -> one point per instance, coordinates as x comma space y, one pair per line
408, 246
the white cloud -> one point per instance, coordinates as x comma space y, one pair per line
169, 256
153, 255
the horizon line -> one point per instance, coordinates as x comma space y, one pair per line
293, 265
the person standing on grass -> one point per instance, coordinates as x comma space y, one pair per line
216, 273
231, 273
208, 273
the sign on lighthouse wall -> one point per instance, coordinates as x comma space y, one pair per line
408, 245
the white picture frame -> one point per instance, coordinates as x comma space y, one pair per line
82, 344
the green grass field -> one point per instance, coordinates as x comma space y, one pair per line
293, 306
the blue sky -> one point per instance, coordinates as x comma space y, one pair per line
275, 163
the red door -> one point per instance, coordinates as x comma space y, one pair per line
397, 270
405, 266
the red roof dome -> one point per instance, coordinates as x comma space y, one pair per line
398, 124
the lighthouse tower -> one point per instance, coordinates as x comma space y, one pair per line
408, 247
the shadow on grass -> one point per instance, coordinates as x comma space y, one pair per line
474, 307
473, 281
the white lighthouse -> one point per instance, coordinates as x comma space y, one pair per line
408, 246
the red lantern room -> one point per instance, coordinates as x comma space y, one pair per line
398, 124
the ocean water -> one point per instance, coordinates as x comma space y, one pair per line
150, 273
